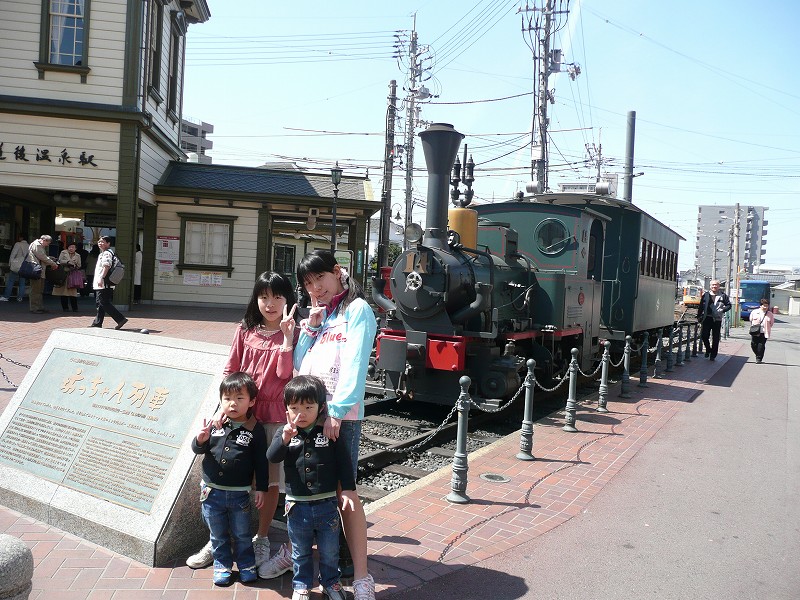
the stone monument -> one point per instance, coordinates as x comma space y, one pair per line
96, 440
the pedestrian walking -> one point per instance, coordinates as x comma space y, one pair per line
104, 289
713, 305
761, 322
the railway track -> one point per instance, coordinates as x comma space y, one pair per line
405, 445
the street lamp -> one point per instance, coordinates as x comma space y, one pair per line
336, 179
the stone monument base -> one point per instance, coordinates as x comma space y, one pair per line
96, 440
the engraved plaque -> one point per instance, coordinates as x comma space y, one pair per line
102, 425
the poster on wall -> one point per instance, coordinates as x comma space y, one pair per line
203, 279
168, 248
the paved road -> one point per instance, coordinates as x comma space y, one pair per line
709, 509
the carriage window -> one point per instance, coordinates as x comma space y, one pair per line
643, 257
552, 237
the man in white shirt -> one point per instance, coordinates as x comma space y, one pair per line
104, 290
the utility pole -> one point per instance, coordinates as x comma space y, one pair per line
714, 260
388, 169
736, 262
539, 155
545, 63
411, 118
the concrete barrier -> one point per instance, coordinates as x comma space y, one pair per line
16, 569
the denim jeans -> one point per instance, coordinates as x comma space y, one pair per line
11, 278
307, 520
227, 515
350, 436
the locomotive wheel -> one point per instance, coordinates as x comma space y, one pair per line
498, 384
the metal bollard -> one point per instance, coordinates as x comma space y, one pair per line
679, 353
694, 345
687, 356
458, 483
670, 358
625, 382
657, 361
569, 410
643, 369
526, 433
603, 392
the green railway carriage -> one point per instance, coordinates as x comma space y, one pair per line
639, 262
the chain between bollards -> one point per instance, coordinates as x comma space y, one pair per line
602, 394
570, 409
526, 433
625, 382
643, 369
458, 483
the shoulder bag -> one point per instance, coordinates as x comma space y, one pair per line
30, 270
75, 279
755, 329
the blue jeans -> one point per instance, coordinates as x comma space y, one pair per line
307, 520
10, 279
350, 436
227, 515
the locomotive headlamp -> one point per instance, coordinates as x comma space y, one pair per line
413, 233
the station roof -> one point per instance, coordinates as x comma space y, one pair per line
260, 184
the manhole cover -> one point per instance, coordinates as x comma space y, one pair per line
494, 477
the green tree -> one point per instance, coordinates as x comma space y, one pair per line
394, 251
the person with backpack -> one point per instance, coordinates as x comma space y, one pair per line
104, 288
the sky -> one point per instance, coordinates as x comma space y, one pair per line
714, 86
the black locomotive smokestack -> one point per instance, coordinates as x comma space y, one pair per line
440, 143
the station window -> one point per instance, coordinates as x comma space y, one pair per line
177, 34
206, 242
284, 259
155, 26
64, 37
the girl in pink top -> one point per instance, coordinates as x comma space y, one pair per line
262, 347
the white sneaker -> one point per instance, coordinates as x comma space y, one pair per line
277, 565
202, 559
261, 547
20, 299
364, 589
3, 299
301, 595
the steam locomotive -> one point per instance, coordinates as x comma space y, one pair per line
484, 289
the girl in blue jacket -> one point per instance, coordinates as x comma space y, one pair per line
335, 344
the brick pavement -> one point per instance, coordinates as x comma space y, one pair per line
415, 535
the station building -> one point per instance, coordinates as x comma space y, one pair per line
90, 131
